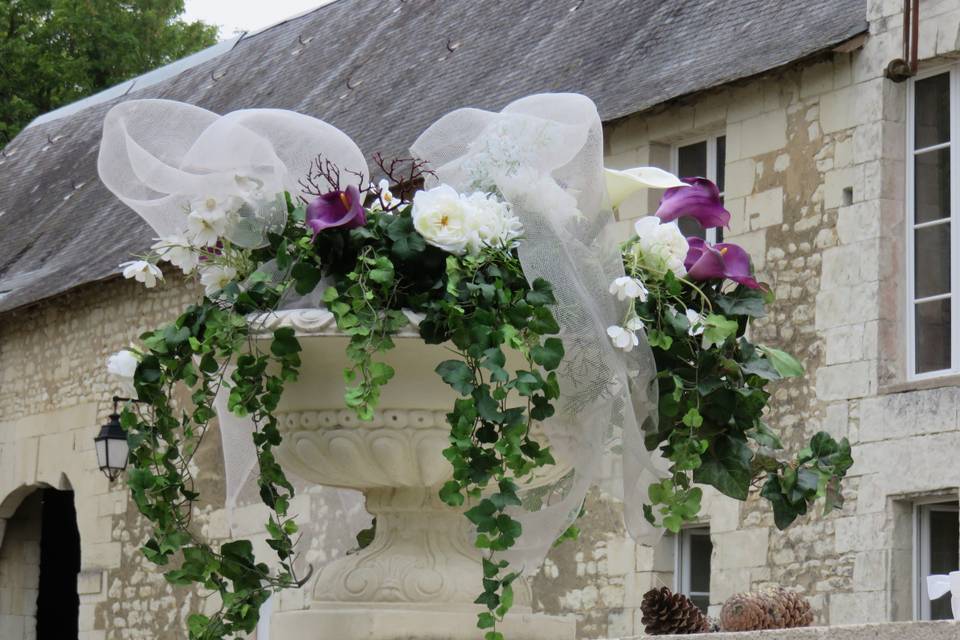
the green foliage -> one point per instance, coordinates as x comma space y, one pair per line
57, 51
712, 384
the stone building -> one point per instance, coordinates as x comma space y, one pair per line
839, 183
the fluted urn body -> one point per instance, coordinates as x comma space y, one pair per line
420, 575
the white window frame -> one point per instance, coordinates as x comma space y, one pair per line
711, 141
954, 294
681, 560
921, 549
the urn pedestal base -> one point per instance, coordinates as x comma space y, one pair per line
355, 623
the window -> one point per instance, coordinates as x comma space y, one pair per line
936, 551
692, 576
704, 158
932, 325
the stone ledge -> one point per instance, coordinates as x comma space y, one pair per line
939, 630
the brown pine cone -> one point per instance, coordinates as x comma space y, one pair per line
770, 609
665, 612
797, 612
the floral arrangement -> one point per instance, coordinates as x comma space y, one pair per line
452, 258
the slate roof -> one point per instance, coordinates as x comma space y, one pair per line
382, 71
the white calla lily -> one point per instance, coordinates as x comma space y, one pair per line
621, 184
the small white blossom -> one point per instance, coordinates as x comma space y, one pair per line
123, 365
696, 322
622, 338
215, 277
626, 287
491, 223
662, 241
634, 323
385, 200
142, 271
178, 252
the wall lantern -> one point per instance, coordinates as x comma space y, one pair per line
111, 444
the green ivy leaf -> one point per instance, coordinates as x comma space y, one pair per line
456, 374
549, 355
717, 329
785, 364
726, 466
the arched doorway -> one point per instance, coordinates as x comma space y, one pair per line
39, 563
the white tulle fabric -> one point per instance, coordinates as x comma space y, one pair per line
158, 155
544, 155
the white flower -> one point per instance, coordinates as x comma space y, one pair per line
440, 216
662, 241
178, 252
386, 200
215, 277
142, 271
622, 184
622, 338
634, 323
490, 223
626, 287
696, 322
208, 219
123, 365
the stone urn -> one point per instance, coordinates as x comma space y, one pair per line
420, 575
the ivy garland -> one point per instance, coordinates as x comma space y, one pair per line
712, 389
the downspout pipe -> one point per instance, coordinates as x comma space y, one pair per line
905, 67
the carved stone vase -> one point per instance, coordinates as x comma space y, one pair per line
420, 575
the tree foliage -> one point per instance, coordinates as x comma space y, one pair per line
53, 52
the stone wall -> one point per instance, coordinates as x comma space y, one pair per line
20, 571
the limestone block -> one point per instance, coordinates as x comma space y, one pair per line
846, 305
837, 181
745, 102
739, 223
859, 221
851, 608
850, 265
845, 381
816, 79
844, 344
948, 33
765, 209
871, 570
764, 133
902, 415
90, 581
755, 244
836, 420
741, 175
741, 548
850, 106
105, 555
726, 582
621, 554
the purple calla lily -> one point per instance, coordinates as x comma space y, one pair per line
336, 209
700, 200
710, 262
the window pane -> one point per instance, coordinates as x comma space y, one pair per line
932, 260
944, 555
721, 163
690, 227
932, 111
692, 160
931, 185
700, 549
703, 602
933, 335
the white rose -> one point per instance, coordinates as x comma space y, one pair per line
626, 287
178, 252
142, 271
622, 338
662, 241
491, 223
440, 216
215, 277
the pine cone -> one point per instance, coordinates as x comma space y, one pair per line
797, 612
666, 612
770, 609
